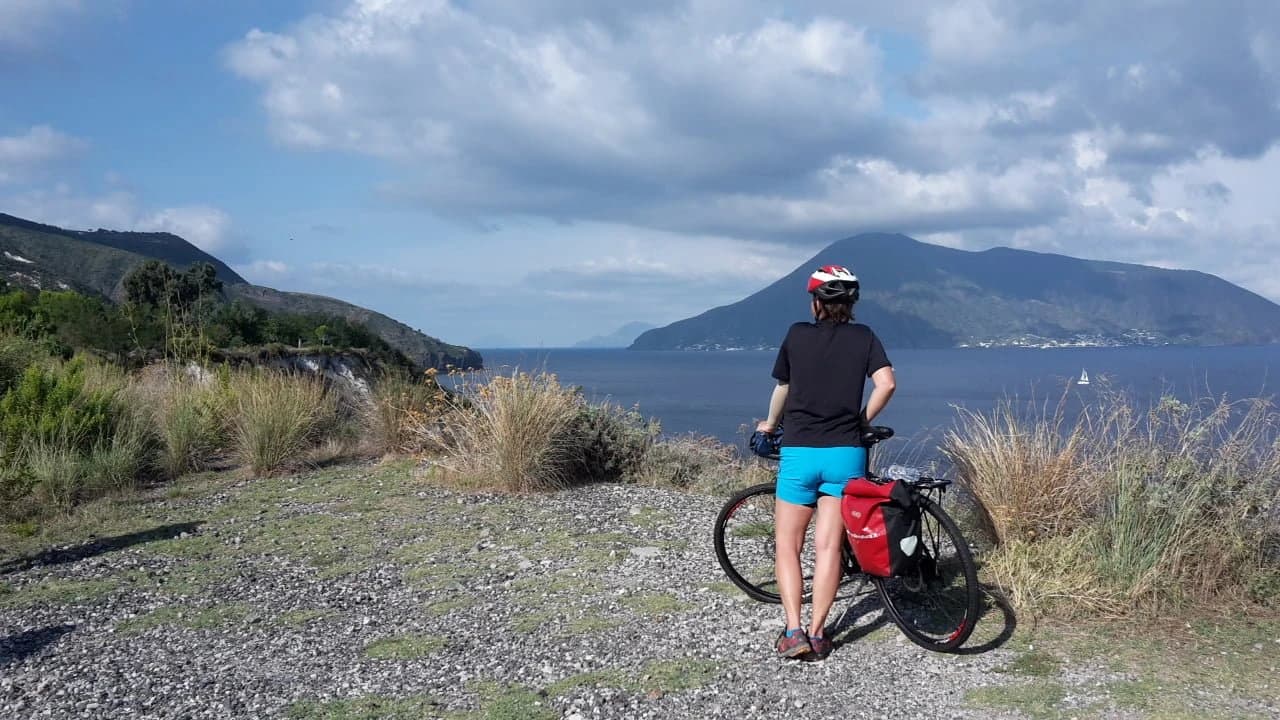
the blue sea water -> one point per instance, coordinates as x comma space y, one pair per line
718, 393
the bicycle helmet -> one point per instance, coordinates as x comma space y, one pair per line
833, 283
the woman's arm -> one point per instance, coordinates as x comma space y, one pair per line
883, 390
776, 402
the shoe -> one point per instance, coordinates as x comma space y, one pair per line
819, 648
793, 646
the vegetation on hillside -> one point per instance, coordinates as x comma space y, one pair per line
176, 315
96, 264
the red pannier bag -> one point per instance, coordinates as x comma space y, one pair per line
883, 523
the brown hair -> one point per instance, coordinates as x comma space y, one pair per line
835, 311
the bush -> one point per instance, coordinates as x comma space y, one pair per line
510, 433
1029, 477
67, 438
608, 443
1149, 512
52, 405
697, 462
399, 406
16, 355
277, 418
190, 415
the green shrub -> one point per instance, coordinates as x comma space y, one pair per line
607, 443
16, 355
697, 462
67, 437
52, 405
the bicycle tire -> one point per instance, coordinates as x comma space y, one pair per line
745, 547
927, 605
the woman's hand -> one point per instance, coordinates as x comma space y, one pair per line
765, 426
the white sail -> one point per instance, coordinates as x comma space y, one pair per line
1084, 378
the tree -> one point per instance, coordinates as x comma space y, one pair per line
184, 302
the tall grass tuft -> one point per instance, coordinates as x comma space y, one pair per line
398, 407
1125, 511
510, 432
277, 418
192, 416
1028, 477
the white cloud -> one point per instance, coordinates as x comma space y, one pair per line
1040, 125
24, 22
208, 228
31, 153
205, 227
265, 272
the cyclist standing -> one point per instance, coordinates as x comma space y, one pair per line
821, 369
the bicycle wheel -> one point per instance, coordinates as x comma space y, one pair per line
936, 605
745, 546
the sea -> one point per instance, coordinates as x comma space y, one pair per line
722, 394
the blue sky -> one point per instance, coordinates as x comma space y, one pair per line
494, 171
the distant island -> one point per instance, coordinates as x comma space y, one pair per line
620, 338
96, 262
917, 295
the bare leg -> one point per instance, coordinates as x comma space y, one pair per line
790, 523
826, 576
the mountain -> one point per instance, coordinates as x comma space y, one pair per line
620, 338
918, 295
96, 263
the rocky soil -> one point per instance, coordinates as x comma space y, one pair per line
368, 592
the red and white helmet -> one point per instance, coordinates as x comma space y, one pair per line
834, 283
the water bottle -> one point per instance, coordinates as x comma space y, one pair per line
903, 473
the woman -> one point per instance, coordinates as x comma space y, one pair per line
821, 369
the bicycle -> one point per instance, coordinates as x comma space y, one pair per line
935, 604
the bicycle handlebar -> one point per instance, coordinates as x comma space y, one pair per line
760, 441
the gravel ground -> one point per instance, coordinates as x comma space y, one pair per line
360, 592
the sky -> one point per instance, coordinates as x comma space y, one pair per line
514, 173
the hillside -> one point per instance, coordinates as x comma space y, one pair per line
925, 296
95, 263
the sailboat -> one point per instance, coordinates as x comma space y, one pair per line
1084, 378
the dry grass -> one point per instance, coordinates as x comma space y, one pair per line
278, 418
191, 416
397, 409
1125, 511
1030, 477
508, 432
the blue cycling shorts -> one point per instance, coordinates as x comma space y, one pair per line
807, 472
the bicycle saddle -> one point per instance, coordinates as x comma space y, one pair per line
875, 434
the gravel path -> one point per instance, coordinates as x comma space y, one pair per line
360, 592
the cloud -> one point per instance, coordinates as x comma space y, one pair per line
24, 22
30, 154
264, 272
207, 228
1035, 124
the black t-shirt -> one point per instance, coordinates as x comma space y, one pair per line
826, 365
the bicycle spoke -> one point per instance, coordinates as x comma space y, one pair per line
935, 604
